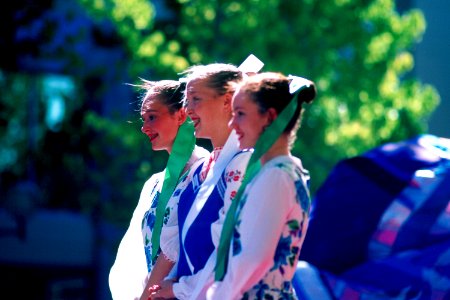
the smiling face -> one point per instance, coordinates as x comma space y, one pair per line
247, 120
208, 109
159, 124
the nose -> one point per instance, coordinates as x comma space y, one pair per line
188, 107
232, 123
145, 128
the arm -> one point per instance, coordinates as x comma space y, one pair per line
162, 268
269, 200
129, 272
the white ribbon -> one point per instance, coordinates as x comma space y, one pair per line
229, 150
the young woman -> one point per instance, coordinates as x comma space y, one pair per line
269, 216
165, 123
202, 205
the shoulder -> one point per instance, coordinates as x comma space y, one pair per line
274, 175
240, 159
284, 172
200, 153
154, 179
290, 166
288, 174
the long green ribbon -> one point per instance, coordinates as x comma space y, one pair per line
182, 149
265, 141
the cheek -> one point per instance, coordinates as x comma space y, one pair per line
257, 129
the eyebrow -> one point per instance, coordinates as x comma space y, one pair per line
149, 110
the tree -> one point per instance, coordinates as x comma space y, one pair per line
153, 53
358, 52
75, 164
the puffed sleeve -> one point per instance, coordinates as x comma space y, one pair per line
128, 275
269, 201
169, 240
233, 175
169, 243
195, 286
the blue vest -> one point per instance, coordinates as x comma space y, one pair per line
198, 242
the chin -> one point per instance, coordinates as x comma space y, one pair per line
243, 146
156, 147
199, 134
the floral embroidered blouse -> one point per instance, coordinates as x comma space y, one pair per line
128, 275
272, 219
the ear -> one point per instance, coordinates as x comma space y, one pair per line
181, 115
227, 101
272, 115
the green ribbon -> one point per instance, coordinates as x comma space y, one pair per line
182, 149
265, 141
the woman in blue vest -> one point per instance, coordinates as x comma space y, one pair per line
165, 123
202, 205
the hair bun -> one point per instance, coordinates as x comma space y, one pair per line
307, 94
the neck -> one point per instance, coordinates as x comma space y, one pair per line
220, 137
280, 147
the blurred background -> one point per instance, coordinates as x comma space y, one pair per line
73, 160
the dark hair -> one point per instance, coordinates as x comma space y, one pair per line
169, 92
218, 76
271, 90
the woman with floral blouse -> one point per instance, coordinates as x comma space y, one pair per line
269, 219
166, 125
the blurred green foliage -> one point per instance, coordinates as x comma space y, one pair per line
358, 52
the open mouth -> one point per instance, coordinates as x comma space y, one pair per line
153, 136
196, 122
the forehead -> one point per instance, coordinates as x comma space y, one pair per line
198, 86
241, 98
152, 103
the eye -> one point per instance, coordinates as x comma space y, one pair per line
238, 113
148, 118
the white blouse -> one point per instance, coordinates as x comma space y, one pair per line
129, 274
268, 235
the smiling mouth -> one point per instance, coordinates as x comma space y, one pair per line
153, 136
196, 122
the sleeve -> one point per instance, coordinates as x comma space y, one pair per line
169, 240
195, 286
269, 200
169, 243
128, 275
233, 176
185, 286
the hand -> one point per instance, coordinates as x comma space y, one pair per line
164, 291
146, 294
